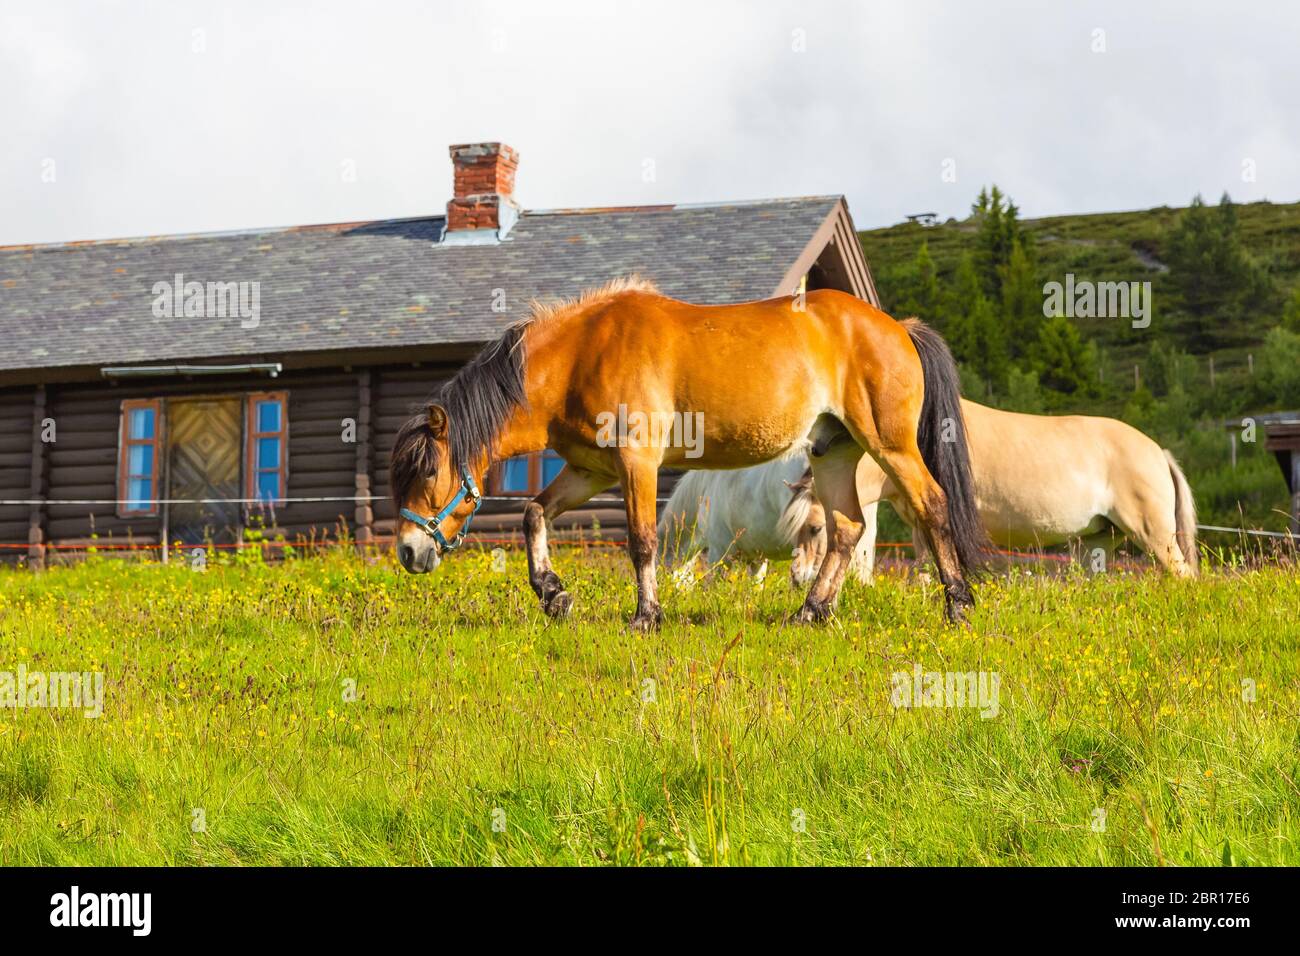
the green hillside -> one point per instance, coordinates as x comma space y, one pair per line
1223, 339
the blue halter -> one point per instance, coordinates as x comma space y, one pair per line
432, 526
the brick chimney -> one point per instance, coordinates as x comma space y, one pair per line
482, 208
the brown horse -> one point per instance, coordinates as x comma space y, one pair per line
753, 379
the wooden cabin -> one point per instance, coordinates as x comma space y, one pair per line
189, 388
1282, 438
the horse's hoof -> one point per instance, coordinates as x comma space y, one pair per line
958, 600
559, 605
645, 621
812, 612
957, 611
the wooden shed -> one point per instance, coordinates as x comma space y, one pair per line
186, 388
1282, 438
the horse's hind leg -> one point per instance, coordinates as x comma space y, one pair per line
863, 563
1147, 517
833, 479
889, 435
871, 481
570, 488
640, 481
922, 494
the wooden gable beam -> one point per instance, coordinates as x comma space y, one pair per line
837, 235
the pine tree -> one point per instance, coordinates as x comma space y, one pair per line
1167, 367
1023, 392
999, 232
1063, 362
960, 306
919, 285
1279, 368
973, 326
1022, 301
926, 297
1211, 267
990, 351
1291, 312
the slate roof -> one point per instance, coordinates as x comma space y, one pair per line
380, 284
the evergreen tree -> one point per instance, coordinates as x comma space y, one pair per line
1063, 362
1022, 301
973, 326
1211, 267
1279, 372
1140, 408
918, 283
1168, 367
961, 303
1291, 312
999, 232
990, 344
926, 297
1024, 393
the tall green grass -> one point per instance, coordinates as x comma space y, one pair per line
482, 733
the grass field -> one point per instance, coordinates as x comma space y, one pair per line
480, 733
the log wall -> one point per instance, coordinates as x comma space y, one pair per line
82, 462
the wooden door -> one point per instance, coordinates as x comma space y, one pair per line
203, 459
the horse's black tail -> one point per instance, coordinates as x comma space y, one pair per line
942, 438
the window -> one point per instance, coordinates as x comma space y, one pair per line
526, 475
137, 457
267, 450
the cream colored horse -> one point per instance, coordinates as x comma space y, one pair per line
1047, 480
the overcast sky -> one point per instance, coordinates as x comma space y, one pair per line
136, 118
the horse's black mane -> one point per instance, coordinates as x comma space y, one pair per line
478, 400
482, 395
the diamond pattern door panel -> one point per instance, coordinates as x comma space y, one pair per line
203, 456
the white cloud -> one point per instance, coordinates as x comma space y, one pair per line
150, 136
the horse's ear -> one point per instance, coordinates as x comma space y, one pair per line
438, 422
803, 485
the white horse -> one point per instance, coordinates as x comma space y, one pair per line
749, 513
1041, 481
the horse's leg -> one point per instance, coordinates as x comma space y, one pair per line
871, 481
921, 551
1148, 518
640, 481
834, 482
863, 565
570, 488
927, 501
887, 428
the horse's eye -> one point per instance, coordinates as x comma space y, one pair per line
815, 530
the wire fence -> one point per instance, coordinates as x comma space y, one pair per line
138, 502
478, 539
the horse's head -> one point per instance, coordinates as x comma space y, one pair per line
803, 522
434, 497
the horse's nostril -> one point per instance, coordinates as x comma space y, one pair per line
405, 554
